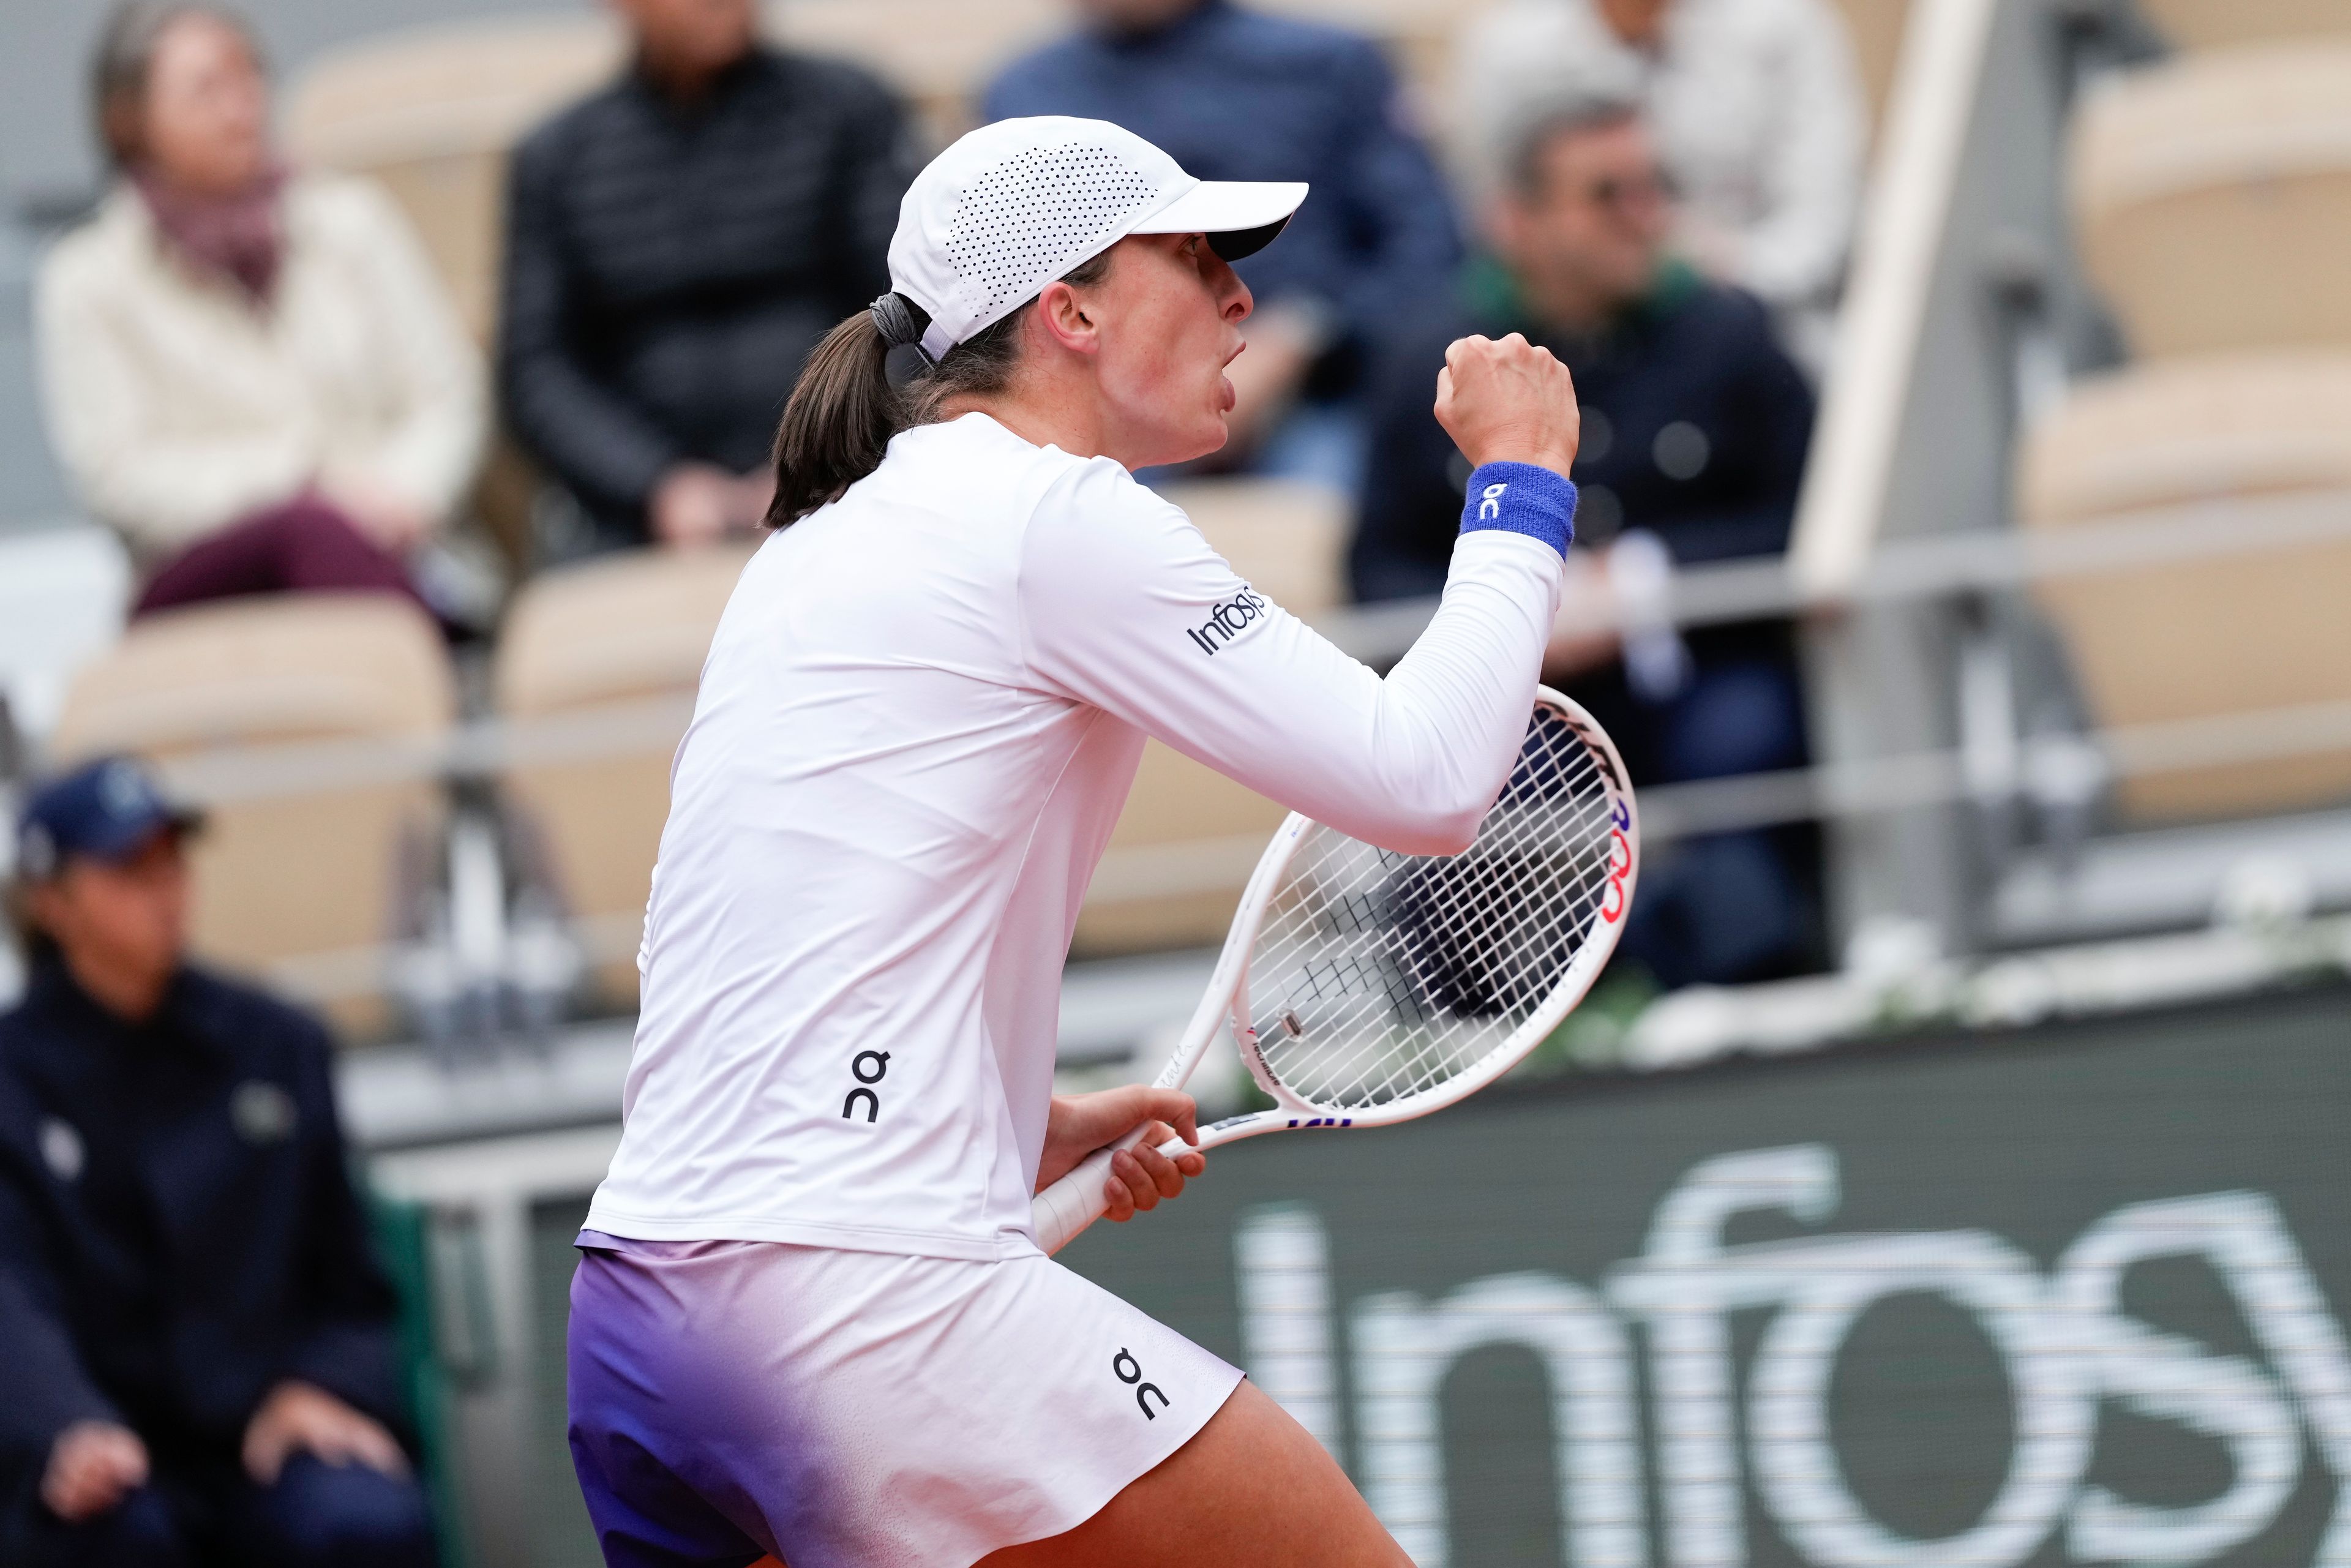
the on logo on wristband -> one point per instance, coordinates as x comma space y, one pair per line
1491, 505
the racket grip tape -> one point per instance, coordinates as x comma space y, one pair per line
1080, 1198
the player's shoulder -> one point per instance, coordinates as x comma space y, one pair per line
960, 491
1097, 535
1079, 490
990, 462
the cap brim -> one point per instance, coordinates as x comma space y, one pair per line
127, 839
1240, 217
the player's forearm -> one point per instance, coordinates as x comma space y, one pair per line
1413, 762
1463, 690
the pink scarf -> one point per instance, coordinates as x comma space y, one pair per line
238, 238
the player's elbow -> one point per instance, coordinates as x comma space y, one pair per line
1456, 833
1436, 810
1438, 828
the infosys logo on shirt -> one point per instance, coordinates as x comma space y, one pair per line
1229, 619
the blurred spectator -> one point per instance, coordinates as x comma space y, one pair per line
251, 372
1695, 426
1757, 108
197, 1347
677, 243
1233, 95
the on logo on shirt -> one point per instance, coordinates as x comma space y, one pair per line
867, 1067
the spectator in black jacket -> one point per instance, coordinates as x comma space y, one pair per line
196, 1348
676, 245
1695, 428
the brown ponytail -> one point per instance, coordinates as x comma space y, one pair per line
839, 420
843, 410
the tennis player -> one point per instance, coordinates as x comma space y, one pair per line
811, 1318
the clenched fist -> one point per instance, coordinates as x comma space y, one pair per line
1509, 403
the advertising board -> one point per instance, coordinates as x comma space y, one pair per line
2066, 1296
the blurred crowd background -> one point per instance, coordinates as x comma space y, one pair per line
385, 402
491, 321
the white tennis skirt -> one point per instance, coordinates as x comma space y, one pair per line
860, 1409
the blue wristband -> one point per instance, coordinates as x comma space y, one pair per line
1521, 498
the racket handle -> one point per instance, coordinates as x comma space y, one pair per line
1080, 1198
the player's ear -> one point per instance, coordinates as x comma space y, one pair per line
1065, 319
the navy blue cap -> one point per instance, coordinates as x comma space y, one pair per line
105, 811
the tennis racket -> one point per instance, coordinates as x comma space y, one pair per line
1365, 987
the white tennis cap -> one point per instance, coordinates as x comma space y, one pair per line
1013, 205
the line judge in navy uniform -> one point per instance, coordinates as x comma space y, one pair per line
196, 1348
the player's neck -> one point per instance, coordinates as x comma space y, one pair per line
1054, 400
1047, 410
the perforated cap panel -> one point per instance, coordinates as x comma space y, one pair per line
1015, 203
1035, 215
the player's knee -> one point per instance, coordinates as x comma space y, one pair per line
350, 1517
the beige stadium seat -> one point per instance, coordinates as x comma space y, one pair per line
2212, 198
2214, 23
2205, 638
1876, 27
1189, 836
941, 54
299, 888
619, 640
63, 595
432, 113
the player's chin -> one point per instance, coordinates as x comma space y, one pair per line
1216, 427
1208, 436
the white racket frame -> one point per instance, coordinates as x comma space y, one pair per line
1067, 1207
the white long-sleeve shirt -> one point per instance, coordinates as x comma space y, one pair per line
178, 407
921, 715
1757, 108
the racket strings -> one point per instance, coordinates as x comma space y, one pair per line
1503, 988
1379, 975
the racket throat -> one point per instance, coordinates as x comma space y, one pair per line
1254, 1040
1286, 1024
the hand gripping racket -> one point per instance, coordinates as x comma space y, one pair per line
1365, 987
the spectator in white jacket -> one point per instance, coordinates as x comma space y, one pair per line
252, 374
1758, 110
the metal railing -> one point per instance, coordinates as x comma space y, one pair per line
2068, 766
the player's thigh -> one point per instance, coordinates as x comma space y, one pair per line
1251, 1487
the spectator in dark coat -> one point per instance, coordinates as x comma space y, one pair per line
1233, 95
1695, 429
196, 1347
676, 245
